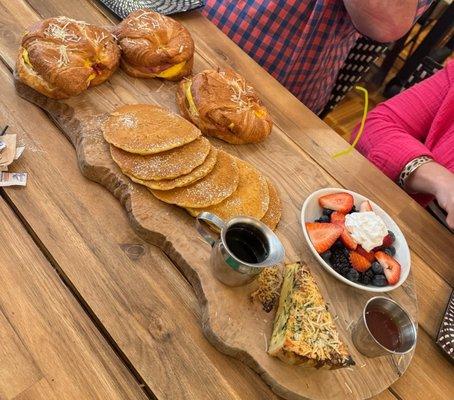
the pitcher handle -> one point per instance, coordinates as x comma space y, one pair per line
211, 219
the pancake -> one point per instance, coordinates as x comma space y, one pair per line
169, 164
147, 129
274, 212
251, 197
197, 173
219, 184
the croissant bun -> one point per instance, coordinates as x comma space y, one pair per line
223, 105
61, 57
154, 46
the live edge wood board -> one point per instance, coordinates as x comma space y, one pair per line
231, 323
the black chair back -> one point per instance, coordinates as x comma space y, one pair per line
359, 59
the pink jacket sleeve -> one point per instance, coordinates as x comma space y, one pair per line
396, 130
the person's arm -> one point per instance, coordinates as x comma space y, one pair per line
395, 133
396, 130
433, 178
384, 20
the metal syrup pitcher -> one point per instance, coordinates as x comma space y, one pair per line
244, 247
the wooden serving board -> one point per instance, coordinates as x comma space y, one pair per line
232, 323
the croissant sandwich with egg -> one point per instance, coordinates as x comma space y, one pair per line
61, 57
222, 104
154, 46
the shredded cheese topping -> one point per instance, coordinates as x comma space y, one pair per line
63, 59
269, 281
241, 93
63, 19
144, 21
61, 32
99, 38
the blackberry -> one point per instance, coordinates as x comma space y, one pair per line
326, 256
366, 277
369, 273
345, 270
353, 275
339, 261
337, 245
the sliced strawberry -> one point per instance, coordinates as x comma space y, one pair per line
347, 240
367, 254
323, 235
338, 218
342, 202
365, 206
359, 262
391, 267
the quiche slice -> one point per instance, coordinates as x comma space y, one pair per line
304, 331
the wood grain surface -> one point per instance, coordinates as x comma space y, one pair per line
128, 285
86, 233
48, 343
229, 321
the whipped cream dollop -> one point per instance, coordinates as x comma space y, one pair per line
366, 228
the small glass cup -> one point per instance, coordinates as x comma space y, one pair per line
364, 339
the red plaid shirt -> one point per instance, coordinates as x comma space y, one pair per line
303, 44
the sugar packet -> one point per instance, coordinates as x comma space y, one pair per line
13, 179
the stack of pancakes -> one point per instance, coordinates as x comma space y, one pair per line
168, 155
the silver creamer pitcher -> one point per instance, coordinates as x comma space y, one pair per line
245, 245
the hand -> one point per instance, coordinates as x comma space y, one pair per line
445, 196
433, 178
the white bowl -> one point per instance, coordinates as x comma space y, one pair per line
311, 211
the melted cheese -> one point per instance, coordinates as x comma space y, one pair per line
187, 91
173, 71
26, 58
260, 113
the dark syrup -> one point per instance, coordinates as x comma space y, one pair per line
247, 244
383, 328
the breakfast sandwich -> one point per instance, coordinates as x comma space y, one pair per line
154, 46
61, 57
222, 104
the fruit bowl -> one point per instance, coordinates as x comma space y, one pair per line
311, 211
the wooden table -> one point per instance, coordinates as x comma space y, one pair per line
84, 301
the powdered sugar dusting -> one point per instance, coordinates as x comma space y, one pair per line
165, 165
128, 120
215, 187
